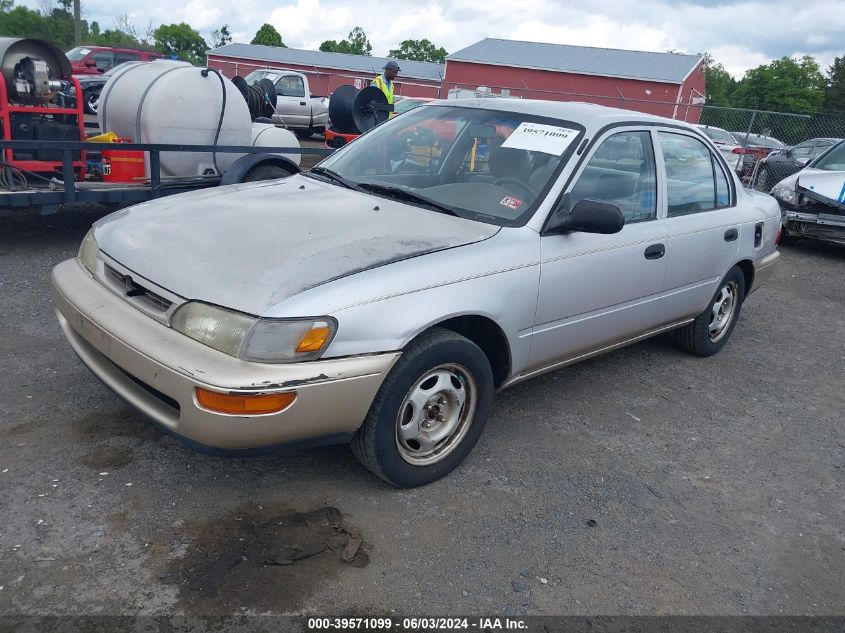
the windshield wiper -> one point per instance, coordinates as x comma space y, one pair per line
404, 194
335, 177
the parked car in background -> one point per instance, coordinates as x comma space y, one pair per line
406, 104
782, 163
812, 201
383, 301
296, 108
726, 143
92, 86
754, 147
93, 60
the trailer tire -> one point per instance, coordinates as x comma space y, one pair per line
304, 134
266, 172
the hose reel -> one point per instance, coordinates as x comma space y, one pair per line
356, 111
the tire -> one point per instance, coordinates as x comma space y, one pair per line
92, 101
265, 172
457, 405
763, 179
699, 337
304, 134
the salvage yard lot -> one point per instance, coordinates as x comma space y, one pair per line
645, 481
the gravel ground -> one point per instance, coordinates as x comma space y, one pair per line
646, 481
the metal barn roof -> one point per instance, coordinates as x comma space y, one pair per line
340, 61
582, 60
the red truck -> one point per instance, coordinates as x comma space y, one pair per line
93, 60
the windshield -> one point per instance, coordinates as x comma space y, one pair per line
834, 160
717, 134
486, 165
258, 75
78, 53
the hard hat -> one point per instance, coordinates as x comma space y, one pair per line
391, 65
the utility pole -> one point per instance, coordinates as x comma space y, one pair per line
77, 23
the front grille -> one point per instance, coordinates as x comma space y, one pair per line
133, 289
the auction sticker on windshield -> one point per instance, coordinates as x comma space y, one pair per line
536, 137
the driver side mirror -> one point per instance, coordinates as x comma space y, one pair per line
587, 216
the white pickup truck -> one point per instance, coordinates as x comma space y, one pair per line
296, 108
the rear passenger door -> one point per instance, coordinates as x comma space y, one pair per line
600, 290
704, 227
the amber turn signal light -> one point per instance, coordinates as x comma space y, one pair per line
314, 339
244, 404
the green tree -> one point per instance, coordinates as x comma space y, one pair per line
719, 85
221, 37
356, 43
180, 40
786, 84
834, 97
267, 35
419, 50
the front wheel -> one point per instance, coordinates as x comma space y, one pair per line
92, 101
711, 329
265, 172
429, 412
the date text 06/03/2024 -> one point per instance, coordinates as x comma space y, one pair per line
417, 624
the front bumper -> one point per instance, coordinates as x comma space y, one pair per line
763, 269
156, 369
829, 227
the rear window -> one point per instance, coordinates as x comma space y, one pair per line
716, 134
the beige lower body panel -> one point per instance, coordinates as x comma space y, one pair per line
763, 269
157, 370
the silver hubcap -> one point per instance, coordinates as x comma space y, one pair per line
435, 414
723, 310
93, 102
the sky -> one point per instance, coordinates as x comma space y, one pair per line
740, 34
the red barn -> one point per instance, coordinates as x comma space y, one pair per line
665, 84
327, 71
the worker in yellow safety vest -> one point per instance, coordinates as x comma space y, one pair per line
384, 82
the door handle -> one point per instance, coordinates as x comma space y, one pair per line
302, 103
731, 235
655, 251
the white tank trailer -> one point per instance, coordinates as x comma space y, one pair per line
174, 102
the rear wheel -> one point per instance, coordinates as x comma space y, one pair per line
429, 412
711, 329
304, 134
265, 172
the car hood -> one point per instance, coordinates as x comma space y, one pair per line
251, 246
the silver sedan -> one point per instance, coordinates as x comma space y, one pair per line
383, 297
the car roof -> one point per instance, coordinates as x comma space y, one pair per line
591, 115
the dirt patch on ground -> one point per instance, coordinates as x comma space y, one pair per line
122, 423
262, 560
104, 456
28, 426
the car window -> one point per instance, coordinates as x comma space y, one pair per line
802, 151
78, 54
820, 147
834, 160
290, 86
691, 176
622, 171
103, 59
119, 58
717, 134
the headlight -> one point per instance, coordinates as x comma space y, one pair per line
88, 251
255, 339
782, 192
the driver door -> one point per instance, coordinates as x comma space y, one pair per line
600, 290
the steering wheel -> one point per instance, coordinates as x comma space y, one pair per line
513, 181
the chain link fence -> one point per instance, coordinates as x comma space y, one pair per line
769, 145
